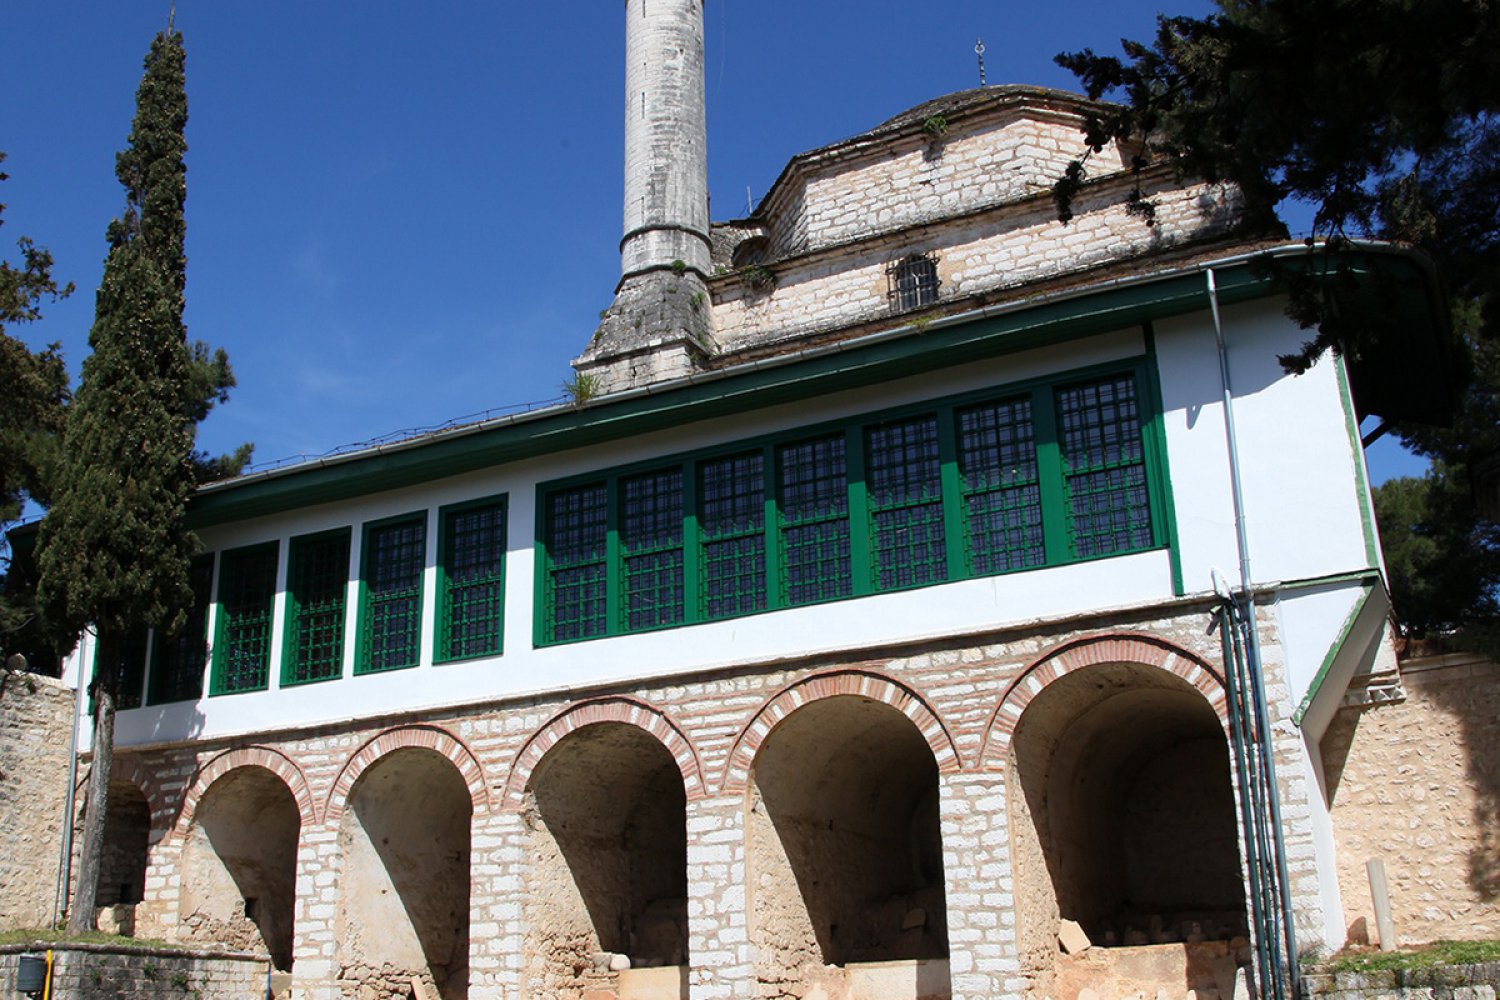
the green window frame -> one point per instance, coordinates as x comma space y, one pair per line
317, 589
242, 634
578, 538
1041, 473
472, 541
178, 662
392, 563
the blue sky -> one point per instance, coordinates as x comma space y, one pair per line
401, 214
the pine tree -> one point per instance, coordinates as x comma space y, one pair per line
114, 550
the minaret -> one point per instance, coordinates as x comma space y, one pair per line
658, 326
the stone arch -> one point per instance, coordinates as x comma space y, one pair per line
423, 738
587, 713
263, 757
125, 768
1087, 651
830, 684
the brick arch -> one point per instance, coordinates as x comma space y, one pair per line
631, 712
1088, 651
831, 684
126, 768
420, 737
262, 757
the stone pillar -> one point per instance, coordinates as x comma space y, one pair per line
314, 951
497, 929
718, 924
982, 949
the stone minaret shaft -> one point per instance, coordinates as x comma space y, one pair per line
666, 148
660, 324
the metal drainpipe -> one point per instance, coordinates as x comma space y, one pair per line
65, 862
1246, 601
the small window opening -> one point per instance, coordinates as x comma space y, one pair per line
913, 282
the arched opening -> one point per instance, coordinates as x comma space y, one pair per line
239, 864
845, 854
127, 837
607, 894
1125, 823
404, 900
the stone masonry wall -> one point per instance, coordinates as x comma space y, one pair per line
961, 694
1417, 783
976, 164
100, 972
35, 715
1019, 244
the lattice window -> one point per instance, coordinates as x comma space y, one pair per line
129, 670
577, 537
391, 618
905, 488
1002, 497
651, 548
1104, 469
242, 654
813, 501
473, 581
912, 282
732, 527
177, 661
317, 595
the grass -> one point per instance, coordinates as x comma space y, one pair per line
49, 936
1423, 957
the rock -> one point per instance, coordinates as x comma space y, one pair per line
1071, 938
915, 917
1088, 994
619, 963
1134, 937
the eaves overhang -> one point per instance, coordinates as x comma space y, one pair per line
878, 357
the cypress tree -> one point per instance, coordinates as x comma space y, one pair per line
114, 548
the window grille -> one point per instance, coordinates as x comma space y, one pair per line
651, 548
906, 503
912, 282
813, 498
577, 550
178, 661
732, 523
1104, 467
1002, 498
317, 591
129, 670
242, 654
1041, 474
473, 565
391, 620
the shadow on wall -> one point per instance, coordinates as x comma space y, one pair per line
1476, 709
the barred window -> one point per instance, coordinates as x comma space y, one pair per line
1104, 467
732, 523
317, 592
912, 282
1034, 475
473, 580
906, 503
813, 500
242, 651
1002, 497
395, 554
651, 548
177, 662
129, 669
577, 536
